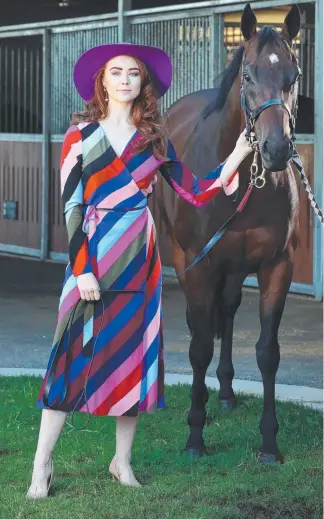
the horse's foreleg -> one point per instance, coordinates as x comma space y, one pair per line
274, 282
230, 301
199, 317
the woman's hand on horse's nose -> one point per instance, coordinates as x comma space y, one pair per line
88, 287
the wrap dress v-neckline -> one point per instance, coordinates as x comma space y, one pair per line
129, 142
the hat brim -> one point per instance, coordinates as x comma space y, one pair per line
156, 60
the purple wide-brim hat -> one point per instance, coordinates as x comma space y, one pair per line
156, 60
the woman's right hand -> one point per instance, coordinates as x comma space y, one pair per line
88, 287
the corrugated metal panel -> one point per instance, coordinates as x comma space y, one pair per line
20, 182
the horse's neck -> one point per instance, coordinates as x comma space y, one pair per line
232, 121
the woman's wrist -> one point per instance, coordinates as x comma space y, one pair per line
242, 151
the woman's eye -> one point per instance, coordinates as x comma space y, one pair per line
134, 74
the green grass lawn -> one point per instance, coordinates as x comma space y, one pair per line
227, 484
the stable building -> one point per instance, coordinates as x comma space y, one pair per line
37, 96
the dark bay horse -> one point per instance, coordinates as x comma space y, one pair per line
204, 127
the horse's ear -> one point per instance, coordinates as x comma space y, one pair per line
248, 23
291, 24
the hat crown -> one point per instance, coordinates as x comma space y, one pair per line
155, 59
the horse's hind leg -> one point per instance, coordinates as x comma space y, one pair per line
229, 302
199, 316
274, 282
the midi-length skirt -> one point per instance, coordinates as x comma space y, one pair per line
107, 356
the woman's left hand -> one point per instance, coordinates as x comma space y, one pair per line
243, 147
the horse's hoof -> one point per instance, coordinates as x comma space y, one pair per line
228, 405
269, 459
196, 453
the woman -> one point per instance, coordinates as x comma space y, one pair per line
110, 159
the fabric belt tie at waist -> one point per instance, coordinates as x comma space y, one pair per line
91, 213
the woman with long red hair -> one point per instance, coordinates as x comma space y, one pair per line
107, 353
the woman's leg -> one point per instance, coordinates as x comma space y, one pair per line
120, 466
50, 429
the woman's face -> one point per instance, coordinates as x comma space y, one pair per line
122, 79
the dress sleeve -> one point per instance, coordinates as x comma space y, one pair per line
72, 197
197, 191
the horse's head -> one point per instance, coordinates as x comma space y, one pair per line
269, 86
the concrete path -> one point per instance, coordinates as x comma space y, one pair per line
29, 294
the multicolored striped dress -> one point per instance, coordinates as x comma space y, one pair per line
113, 348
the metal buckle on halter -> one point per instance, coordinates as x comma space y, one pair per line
255, 179
253, 141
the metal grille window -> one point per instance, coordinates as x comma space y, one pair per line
21, 85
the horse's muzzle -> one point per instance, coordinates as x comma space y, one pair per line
276, 152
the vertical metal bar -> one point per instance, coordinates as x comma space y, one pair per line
6, 79
318, 147
19, 106
1, 89
219, 44
45, 143
37, 97
31, 91
24, 85
206, 52
12, 90
123, 23
212, 53
195, 70
308, 46
312, 62
192, 53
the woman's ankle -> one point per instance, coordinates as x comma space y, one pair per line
42, 459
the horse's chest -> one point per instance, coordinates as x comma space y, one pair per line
245, 250
264, 230
263, 243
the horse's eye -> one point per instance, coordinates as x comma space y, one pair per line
247, 77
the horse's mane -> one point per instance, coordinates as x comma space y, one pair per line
225, 80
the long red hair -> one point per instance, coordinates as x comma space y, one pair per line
146, 113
